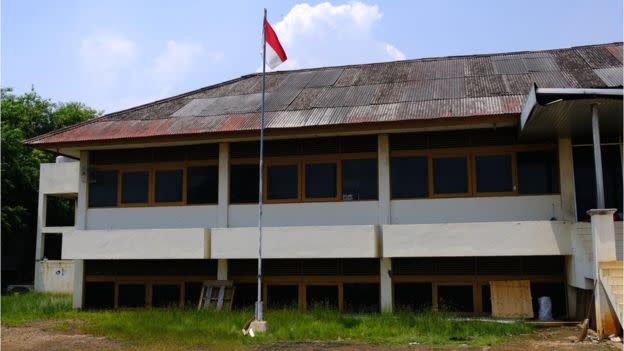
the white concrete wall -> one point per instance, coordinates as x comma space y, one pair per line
476, 209
54, 276
204, 216
306, 214
137, 244
477, 239
59, 178
581, 264
296, 242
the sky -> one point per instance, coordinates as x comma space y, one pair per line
117, 54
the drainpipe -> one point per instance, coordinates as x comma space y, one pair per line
600, 201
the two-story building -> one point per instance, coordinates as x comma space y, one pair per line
409, 184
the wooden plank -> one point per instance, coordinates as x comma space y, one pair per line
220, 298
511, 299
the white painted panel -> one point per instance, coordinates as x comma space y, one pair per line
619, 241
296, 242
152, 217
137, 244
477, 239
54, 276
310, 214
59, 178
476, 209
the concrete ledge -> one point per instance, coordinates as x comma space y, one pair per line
532, 238
59, 178
54, 276
350, 241
137, 244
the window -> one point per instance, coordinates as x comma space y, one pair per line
537, 172
409, 177
494, 173
202, 185
103, 189
244, 183
282, 182
321, 180
134, 187
52, 246
359, 179
450, 175
169, 185
131, 295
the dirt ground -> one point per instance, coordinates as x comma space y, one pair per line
44, 336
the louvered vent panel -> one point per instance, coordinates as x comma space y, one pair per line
485, 137
499, 265
366, 143
549, 265
246, 149
360, 266
413, 266
455, 266
282, 148
203, 152
170, 154
320, 146
320, 267
449, 139
242, 267
412, 141
282, 267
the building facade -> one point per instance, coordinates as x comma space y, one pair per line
400, 185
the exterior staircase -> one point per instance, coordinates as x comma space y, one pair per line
612, 277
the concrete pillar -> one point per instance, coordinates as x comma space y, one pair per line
78, 296
224, 185
566, 180
222, 269
42, 207
571, 297
383, 167
83, 191
603, 239
385, 285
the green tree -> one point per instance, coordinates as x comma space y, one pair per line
26, 116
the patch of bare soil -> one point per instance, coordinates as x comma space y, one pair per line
560, 339
45, 336
48, 336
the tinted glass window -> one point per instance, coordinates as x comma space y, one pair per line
134, 187
103, 189
169, 186
494, 173
537, 172
282, 182
450, 175
320, 180
202, 185
409, 177
585, 180
359, 179
243, 183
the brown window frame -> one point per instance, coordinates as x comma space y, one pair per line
314, 161
151, 169
471, 153
514, 174
265, 174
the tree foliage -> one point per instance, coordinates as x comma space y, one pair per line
26, 116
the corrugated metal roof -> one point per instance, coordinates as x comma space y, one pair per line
448, 87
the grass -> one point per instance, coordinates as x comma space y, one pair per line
187, 328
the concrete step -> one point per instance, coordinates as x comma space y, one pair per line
616, 281
612, 272
612, 264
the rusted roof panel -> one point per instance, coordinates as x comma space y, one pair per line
612, 76
598, 57
449, 87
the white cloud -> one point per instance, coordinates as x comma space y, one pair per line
106, 51
327, 34
177, 60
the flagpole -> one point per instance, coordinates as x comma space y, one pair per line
259, 314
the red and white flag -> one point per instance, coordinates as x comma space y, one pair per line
275, 54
